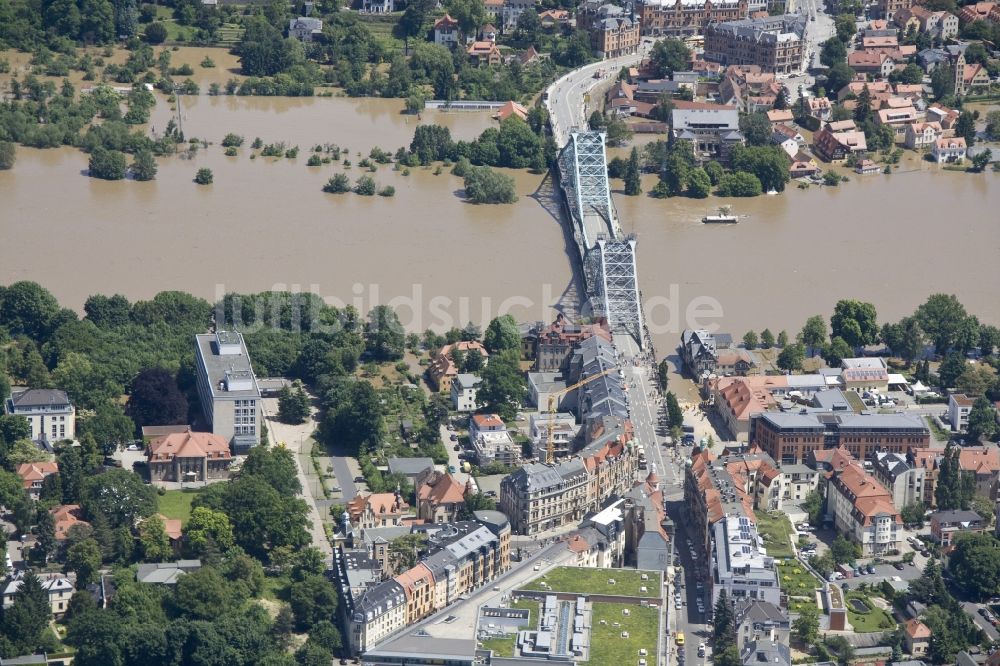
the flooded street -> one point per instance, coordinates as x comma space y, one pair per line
265, 223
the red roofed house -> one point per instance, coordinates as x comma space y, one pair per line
442, 370
974, 76
551, 17
819, 107
439, 497
898, 119
780, 116
65, 517
512, 109
834, 146
737, 398
949, 150
189, 456
802, 169
488, 33
983, 462
377, 510
876, 63
942, 114
32, 475
978, 11
484, 53
917, 636
863, 510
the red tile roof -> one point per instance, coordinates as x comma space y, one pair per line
36, 471
189, 445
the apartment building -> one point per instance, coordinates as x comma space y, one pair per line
539, 497
463, 392
564, 431
863, 510
227, 389
613, 32
945, 525
789, 437
742, 567
50, 414
682, 18
773, 43
959, 406
460, 557
648, 530
721, 519
903, 477
491, 440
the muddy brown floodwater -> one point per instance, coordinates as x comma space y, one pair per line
265, 223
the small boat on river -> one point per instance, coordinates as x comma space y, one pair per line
724, 216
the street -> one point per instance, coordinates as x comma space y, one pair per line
566, 97
291, 437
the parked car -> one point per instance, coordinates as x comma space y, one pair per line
899, 566
871, 568
454, 438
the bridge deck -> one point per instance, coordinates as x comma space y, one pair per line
608, 255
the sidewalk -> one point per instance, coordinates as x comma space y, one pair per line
292, 437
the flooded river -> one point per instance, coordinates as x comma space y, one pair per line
265, 223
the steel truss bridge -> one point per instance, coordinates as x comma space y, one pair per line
607, 254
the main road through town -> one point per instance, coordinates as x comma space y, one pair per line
567, 97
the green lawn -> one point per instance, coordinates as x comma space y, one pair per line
607, 647
276, 588
177, 504
595, 581
875, 619
502, 646
796, 581
776, 530
531, 607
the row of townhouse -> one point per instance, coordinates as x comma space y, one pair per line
460, 557
682, 18
540, 497
939, 25
719, 495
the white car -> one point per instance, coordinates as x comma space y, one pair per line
134, 447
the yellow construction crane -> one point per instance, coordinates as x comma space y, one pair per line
550, 453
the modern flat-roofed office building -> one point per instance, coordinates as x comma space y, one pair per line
227, 388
